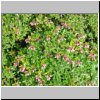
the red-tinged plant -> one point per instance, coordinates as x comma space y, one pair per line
22, 69
71, 49
57, 56
44, 66
48, 77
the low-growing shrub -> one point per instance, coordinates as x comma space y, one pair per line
49, 49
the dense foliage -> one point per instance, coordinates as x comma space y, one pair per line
49, 49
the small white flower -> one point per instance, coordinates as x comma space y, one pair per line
71, 49
27, 40
57, 56
48, 38
86, 46
22, 69
79, 63
34, 70
17, 31
27, 73
16, 63
72, 62
65, 25
92, 56
66, 58
81, 51
77, 43
32, 48
33, 23
43, 66
48, 77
